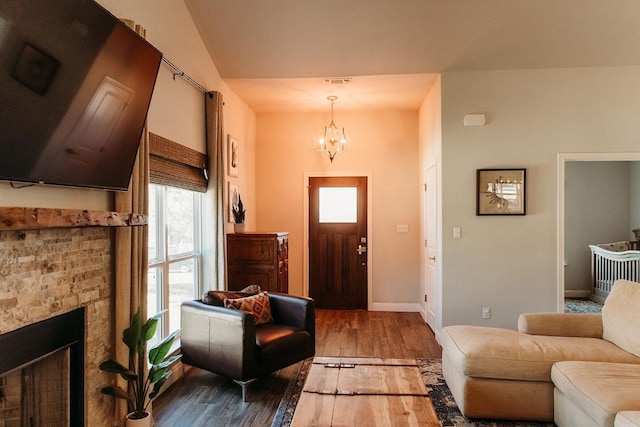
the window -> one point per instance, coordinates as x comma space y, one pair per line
338, 204
174, 253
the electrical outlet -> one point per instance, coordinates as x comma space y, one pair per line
486, 312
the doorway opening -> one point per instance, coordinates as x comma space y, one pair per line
564, 243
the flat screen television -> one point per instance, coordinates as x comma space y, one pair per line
75, 88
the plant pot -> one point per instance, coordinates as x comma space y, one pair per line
141, 422
238, 228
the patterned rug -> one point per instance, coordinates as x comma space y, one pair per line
431, 370
581, 306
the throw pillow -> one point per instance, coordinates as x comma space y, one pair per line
218, 297
257, 304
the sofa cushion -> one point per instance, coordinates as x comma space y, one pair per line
599, 389
258, 305
627, 419
621, 316
506, 354
588, 325
276, 343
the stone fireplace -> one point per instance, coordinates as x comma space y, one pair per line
46, 273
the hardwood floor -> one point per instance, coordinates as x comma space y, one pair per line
204, 398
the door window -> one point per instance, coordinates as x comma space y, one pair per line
338, 205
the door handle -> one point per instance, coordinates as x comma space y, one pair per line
361, 249
432, 258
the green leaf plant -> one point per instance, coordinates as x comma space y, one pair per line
238, 211
142, 389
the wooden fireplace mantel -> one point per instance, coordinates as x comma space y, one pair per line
42, 218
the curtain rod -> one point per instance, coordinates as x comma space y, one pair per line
180, 73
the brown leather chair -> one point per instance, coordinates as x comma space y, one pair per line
228, 342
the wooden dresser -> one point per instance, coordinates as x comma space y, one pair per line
258, 259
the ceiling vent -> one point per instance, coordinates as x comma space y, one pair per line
338, 81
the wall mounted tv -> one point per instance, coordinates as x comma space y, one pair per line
75, 87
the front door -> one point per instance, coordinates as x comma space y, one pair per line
338, 242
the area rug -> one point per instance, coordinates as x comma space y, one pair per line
431, 371
581, 306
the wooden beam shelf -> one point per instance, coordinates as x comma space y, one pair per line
42, 218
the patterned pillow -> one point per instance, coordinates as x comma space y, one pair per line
257, 304
218, 297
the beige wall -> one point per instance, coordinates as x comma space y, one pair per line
510, 263
177, 108
384, 146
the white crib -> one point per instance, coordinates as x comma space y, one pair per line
610, 262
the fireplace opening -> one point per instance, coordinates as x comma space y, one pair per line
37, 394
42, 373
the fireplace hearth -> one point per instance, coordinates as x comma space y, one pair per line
50, 344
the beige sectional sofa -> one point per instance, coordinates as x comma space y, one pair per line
507, 374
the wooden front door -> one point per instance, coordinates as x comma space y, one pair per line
338, 242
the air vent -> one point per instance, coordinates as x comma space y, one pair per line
338, 81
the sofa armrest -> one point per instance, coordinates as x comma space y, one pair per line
585, 325
218, 339
293, 311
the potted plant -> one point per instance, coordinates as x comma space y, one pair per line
142, 389
238, 216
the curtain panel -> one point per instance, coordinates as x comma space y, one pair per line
215, 238
131, 256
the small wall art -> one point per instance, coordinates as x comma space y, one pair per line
233, 156
501, 192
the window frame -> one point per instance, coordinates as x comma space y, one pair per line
163, 260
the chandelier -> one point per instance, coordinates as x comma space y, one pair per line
331, 140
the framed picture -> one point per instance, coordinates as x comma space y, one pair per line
233, 195
233, 156
501, 192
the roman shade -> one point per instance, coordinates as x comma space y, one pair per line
175, 165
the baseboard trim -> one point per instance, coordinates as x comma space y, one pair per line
568, 293
402, 307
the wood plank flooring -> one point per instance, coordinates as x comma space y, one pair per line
207, 399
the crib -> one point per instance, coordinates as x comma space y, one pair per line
610, 262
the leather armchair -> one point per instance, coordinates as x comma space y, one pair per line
228, 342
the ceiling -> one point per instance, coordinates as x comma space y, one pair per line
276, 54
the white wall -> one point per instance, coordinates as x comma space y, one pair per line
510, 263
384, 145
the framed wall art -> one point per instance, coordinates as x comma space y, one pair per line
233, 156
501, 192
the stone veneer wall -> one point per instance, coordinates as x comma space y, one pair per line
44, 273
